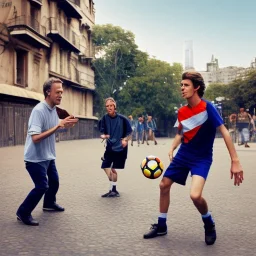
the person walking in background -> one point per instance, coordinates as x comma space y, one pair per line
133, 125
116, 129
145, 129
139, 130
40, 154
243, 123
151, 128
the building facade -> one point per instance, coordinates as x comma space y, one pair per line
214, 74
41, 39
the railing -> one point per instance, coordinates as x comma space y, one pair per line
27, 21
65, 31
82, 78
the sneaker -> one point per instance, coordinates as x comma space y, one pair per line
114, 194
106, 195
53, 208
210, 234
246, 146
156, 230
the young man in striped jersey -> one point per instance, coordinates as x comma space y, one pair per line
198, 121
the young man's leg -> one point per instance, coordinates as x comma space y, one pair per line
108, 172
201, 205
160, 228
118, 163
106, 166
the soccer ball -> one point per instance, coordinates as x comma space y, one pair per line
152, 167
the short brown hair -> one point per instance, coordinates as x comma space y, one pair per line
197, 80
48, 84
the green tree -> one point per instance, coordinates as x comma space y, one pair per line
116, 51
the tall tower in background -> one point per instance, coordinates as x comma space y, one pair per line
189, 62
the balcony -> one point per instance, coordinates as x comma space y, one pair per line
29, 30
77, 79
86, 55
36, 2
71, 8
87, 80
64, 35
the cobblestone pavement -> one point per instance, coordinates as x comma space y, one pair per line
95, 226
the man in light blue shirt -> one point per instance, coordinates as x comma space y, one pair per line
40, 154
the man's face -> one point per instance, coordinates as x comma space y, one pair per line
241, 110
187, 89
110, 107
55, 93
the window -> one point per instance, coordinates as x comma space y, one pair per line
21, 67
90, 6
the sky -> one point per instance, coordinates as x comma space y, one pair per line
223, 28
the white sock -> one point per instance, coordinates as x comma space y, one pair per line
206, 215
162, 215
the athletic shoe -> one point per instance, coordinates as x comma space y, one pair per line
156, 230
113, 194
53, 208
210, 232
106, 195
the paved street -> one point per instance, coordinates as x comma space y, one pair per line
95, 226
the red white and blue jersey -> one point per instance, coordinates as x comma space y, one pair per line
198, 127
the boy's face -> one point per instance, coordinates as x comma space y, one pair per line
110, 107
187, 89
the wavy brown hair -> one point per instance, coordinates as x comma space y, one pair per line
197, 80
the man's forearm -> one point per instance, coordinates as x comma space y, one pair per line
39, 137
176, 142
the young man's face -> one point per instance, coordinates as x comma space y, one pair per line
55, 93
187, 89
110, 107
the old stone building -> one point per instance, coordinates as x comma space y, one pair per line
40, 39
226, 75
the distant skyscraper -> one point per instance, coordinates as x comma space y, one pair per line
189, 62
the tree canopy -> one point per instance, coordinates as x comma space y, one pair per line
138, 83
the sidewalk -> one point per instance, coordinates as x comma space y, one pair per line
95, 226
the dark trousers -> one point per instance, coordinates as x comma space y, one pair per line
49, 187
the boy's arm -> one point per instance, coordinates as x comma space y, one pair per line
176, 142
236, 170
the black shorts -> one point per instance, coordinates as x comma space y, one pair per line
114, 159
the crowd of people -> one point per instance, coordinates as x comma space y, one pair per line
143, 129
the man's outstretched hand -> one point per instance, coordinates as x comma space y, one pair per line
236, 171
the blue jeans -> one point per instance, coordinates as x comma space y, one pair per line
49, 187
